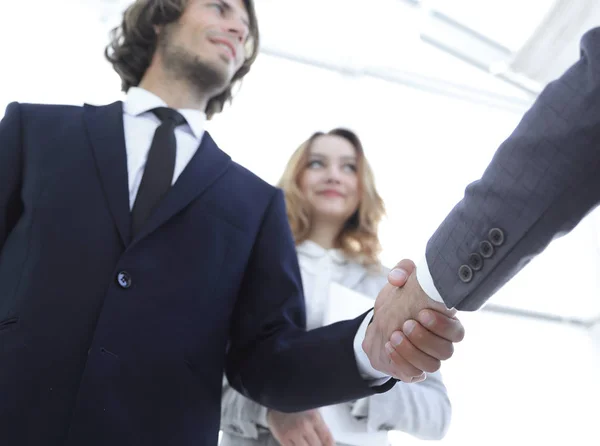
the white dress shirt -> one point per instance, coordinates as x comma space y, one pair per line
426, 281
318, 267
139, 126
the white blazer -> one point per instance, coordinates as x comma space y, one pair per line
422, 410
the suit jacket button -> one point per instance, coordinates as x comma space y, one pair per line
486, 249
465, 273
496, 236
124, 279
475, 261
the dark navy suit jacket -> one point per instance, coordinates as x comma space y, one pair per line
109, 339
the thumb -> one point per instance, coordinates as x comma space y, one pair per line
399, 275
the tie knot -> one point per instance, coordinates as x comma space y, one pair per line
166, 114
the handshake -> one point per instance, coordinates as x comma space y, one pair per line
410, 333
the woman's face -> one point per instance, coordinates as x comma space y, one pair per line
330, 179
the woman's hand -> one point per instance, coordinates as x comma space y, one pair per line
299, 429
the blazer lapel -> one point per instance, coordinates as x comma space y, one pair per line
107, 136
205, 167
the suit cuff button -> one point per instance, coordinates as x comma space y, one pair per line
496, 236
465, 273
475, 261
486, 249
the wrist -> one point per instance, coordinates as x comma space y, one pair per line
422, 300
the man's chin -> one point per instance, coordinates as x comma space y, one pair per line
226, 72
212, 77
222, 70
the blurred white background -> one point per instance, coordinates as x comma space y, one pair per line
432, 88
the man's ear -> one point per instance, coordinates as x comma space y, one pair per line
157, 29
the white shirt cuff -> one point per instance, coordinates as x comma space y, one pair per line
262, 417
426, 281
365, 368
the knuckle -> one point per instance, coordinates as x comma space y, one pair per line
365, 343
433, 366
449, 352
444, 351
405, 378
460, 333
456, 331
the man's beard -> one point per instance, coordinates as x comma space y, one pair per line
204, 77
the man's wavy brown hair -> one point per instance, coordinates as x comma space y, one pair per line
358, 239
134, 42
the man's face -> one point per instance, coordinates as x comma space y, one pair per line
206, 46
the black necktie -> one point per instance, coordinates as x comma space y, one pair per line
158, 173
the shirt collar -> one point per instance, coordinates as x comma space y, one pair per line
314, 250
140, 101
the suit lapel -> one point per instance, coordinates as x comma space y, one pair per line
107, 136
205, 167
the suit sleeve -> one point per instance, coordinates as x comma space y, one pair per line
540, 183
10, 171
271, 359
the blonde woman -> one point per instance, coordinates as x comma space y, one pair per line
334, 211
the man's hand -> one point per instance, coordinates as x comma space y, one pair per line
299, 429
410, 333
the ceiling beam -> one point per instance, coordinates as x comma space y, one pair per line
473, 48
414, 80
547, 317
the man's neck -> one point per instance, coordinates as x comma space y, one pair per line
175, 92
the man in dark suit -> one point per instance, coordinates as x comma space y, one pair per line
138, 262
541, 182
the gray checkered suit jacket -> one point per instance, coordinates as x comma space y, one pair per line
541, 182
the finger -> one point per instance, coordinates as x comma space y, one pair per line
324, 433
442, 309
415, 357
407, 265
449, 328
400, 368
399, 275
311, 438
429, 343
297, 440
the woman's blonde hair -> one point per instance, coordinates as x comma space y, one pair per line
358, 239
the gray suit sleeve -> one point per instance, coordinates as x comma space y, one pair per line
541, 182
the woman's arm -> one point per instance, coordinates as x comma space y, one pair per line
239, 415
422, 410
